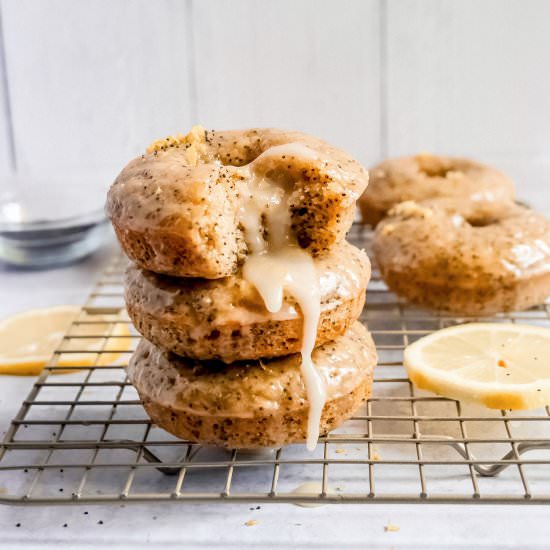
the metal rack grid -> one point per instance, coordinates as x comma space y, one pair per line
83, 437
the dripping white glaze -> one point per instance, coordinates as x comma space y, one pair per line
292, 268
277, 263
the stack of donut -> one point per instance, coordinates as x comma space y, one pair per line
449, 236
243, 286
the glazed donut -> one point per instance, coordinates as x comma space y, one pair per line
465, 257
251, 404
184, 207
226, 318
428, 176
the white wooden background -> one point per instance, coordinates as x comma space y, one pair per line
86, 84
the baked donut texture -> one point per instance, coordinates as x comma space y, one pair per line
181, 208
252, 404
428, 176
227, 319
464, 257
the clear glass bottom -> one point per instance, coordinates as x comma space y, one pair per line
51, 247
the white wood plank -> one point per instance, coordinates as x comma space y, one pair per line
6, 167
92, 83
469, 77
6, 162
532, 177
312, 65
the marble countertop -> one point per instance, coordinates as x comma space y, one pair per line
223, 525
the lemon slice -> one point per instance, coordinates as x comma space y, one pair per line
499, 365
28, 340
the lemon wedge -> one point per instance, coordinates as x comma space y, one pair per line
498, 365
28, 340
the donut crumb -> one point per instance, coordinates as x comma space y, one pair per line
387, 229
411, 209
191, 142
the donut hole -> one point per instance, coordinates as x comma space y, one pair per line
436, 171
237, 161
432, 167
282, 178
241, 157
484, 221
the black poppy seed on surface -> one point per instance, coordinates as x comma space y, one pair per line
18, 525
100, 522
65, 525
86, 513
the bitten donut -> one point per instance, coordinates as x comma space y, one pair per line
428, 176
184, 207
255, 403
465, 257
227, 319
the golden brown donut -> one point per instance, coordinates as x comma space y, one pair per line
226, 318
428, 176
178, 209
255, 403
465, 257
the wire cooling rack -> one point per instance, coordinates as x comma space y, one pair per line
81, 436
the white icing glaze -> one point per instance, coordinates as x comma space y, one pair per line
278, 263
292, 268
288, 150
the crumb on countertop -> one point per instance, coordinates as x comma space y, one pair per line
391, 528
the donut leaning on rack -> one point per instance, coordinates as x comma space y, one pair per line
465, 257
